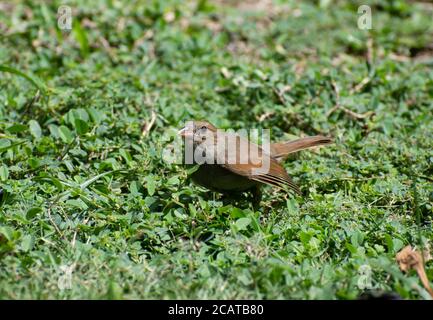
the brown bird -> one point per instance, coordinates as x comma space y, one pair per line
221, 169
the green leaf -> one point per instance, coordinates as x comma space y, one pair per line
237, 213
77, 203
305, 237
397, 244
115, 291
173, 180
81, 126
35, 129
134, 188
96, 115
81, 37
4, 173
389, 243
357, 238
150, 185
27, 242
192, 210
242, 223
393, 244
65, 134
34, 162
16, 128
125, 155
7, 232
191, 169
54, 131
351, 248
4, 143
32, 212
292, 206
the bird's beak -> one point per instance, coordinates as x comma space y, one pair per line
185, 132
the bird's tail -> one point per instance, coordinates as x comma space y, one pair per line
281, 150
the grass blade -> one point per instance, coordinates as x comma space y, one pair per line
32, 79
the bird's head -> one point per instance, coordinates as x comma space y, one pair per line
198, 131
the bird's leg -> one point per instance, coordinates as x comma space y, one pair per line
257, 197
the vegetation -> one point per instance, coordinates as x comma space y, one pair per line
85, 191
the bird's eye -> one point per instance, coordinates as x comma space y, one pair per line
203, 128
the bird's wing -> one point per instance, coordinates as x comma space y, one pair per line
260, 167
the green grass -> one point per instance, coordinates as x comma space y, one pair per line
83, 187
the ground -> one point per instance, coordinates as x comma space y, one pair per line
89, 209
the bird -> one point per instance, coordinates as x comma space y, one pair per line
217, 173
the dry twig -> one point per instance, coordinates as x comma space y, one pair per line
148, 125
409, 258
338, 106
266, 115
